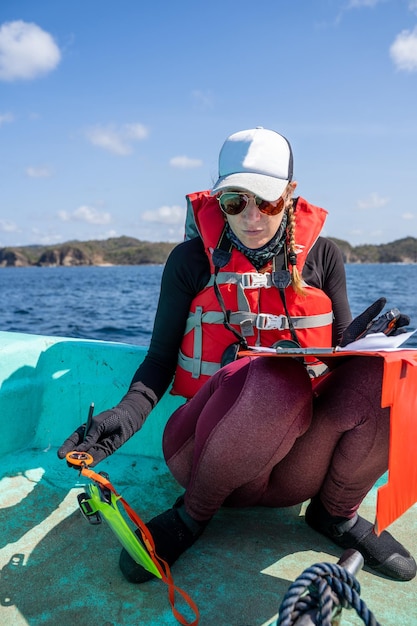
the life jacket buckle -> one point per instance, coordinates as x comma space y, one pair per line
254, 280
266, 321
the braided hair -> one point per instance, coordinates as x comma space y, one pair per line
296, 279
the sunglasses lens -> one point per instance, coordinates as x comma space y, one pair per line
268, 208
263, 205
232, 203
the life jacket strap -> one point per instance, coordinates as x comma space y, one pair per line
204, 368
260, 321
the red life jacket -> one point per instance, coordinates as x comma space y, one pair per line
255, 306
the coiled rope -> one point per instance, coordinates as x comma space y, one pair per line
320, 591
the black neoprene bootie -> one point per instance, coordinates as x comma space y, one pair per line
382, 553
173, 532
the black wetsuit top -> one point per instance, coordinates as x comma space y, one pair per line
187, 272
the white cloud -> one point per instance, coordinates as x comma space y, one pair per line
7, 226
46, 238
184, 162
404, 50
166, 215
26, 51
135, 132
412, 5
373, 201
87, 214
38, 172
407, 216
6, 118
358, 4
117, 140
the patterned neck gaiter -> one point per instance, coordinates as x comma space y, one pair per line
260, 256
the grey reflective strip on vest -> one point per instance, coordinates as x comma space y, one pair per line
261, 321
249, 280
198, 342
206, 368
242, 281
265, 321
217, 317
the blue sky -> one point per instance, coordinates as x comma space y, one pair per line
110, 113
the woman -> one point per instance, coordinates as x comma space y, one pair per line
255, 271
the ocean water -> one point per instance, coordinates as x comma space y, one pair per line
118, 303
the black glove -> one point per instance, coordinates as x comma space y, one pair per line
390, 323
111, 429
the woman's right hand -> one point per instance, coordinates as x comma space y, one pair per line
108, 431
112, 428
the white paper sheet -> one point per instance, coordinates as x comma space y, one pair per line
378, 341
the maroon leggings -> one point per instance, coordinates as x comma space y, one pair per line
255, 435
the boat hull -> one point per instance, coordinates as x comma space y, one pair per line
58, 569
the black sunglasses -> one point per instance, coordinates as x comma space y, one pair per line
234, 202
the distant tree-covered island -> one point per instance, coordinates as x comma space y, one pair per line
114, 251
131, 251
399, 251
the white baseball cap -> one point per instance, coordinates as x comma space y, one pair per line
257, 160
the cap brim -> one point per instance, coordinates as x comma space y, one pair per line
266, 187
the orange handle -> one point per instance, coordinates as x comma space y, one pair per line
79, 459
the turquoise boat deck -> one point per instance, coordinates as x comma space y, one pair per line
58, 569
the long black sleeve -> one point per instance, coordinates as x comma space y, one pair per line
186, 273
324, 268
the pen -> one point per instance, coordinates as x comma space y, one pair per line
89, 419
